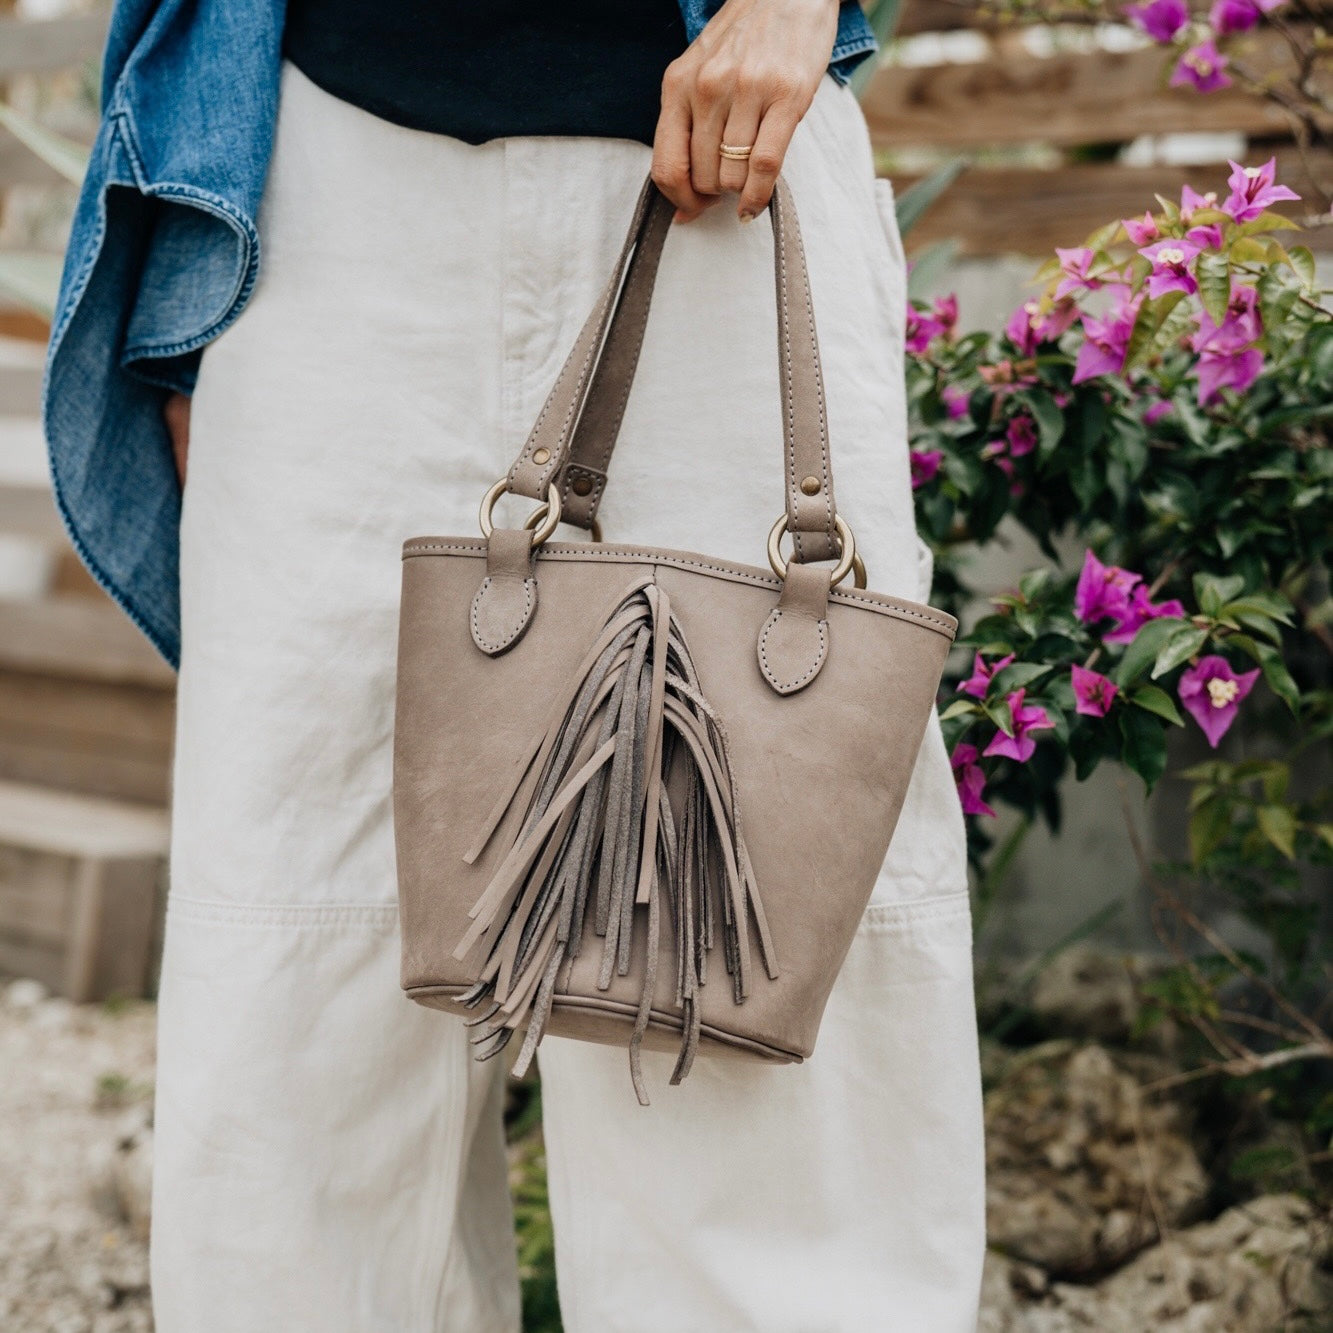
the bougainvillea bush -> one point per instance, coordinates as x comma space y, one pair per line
1157, 419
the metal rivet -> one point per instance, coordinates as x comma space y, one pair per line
810, 485
582, 486
541, 456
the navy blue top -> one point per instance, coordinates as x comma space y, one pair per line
488, 69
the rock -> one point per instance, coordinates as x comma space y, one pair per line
1080, 1164
123, 1178
1260, 1266
1085, 992
25, 994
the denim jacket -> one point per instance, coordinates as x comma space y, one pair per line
163, 255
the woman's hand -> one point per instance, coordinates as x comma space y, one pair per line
176, 410
746, 80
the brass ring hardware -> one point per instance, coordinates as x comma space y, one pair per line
543, 520
848, 562
594, 528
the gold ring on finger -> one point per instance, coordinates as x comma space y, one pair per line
736, 152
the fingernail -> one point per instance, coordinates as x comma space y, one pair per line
747, 216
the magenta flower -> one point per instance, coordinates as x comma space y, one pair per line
1106, 340
1103, 590
1095, 693
1171, 267
945, 311
1207, 236
1160, 19
979, 681
1253, 190
1027, 719
1227, 370
1021, 435
1212, 692
1029, 326
1228, 16
1191, 201
955, 401
970, 780
1161, 408
1228, 357
1138, 611
1141, 232
1202, 67
1075, 264
923, 328
925, 464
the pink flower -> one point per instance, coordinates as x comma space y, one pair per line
1141, 232
1227, 370
971, 781
923, 328
1156, 412
925, 464
1228, 358
1094, 692
1202, 67
1075, 264
979, 681
1211, 693
956, 401
1228, 16
1207, 236
1137, 612
1253, 190
1027, 719
1191, 201
1103, 590
1021, 435
1106, 340
1160, 19
1170, 267
1029, 326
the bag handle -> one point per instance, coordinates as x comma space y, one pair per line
565, 459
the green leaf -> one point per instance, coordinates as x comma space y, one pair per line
1180, 647
62, 155
999, 712
1279, 678
930, 268
1278, 608
1145, 745
1303, 262
1147, 323
1017, 675
1143, 650
1208, 828
914, 201
1214, 592
1158, 701
1279, 827
1214, 276
959, 708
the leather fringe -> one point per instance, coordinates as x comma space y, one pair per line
599, 834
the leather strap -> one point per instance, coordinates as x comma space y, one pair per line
579, 423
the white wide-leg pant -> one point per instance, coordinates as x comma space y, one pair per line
329, 1157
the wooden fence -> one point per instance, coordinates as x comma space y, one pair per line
1084, 105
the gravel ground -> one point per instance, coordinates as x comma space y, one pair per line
75, 1082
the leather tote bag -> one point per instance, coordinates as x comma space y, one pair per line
642, 796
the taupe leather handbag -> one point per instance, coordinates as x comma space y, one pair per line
642, 796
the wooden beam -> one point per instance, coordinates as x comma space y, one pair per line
33, 46
1030, 211
79, 637
1066, 100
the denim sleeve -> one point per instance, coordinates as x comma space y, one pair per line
854, 42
